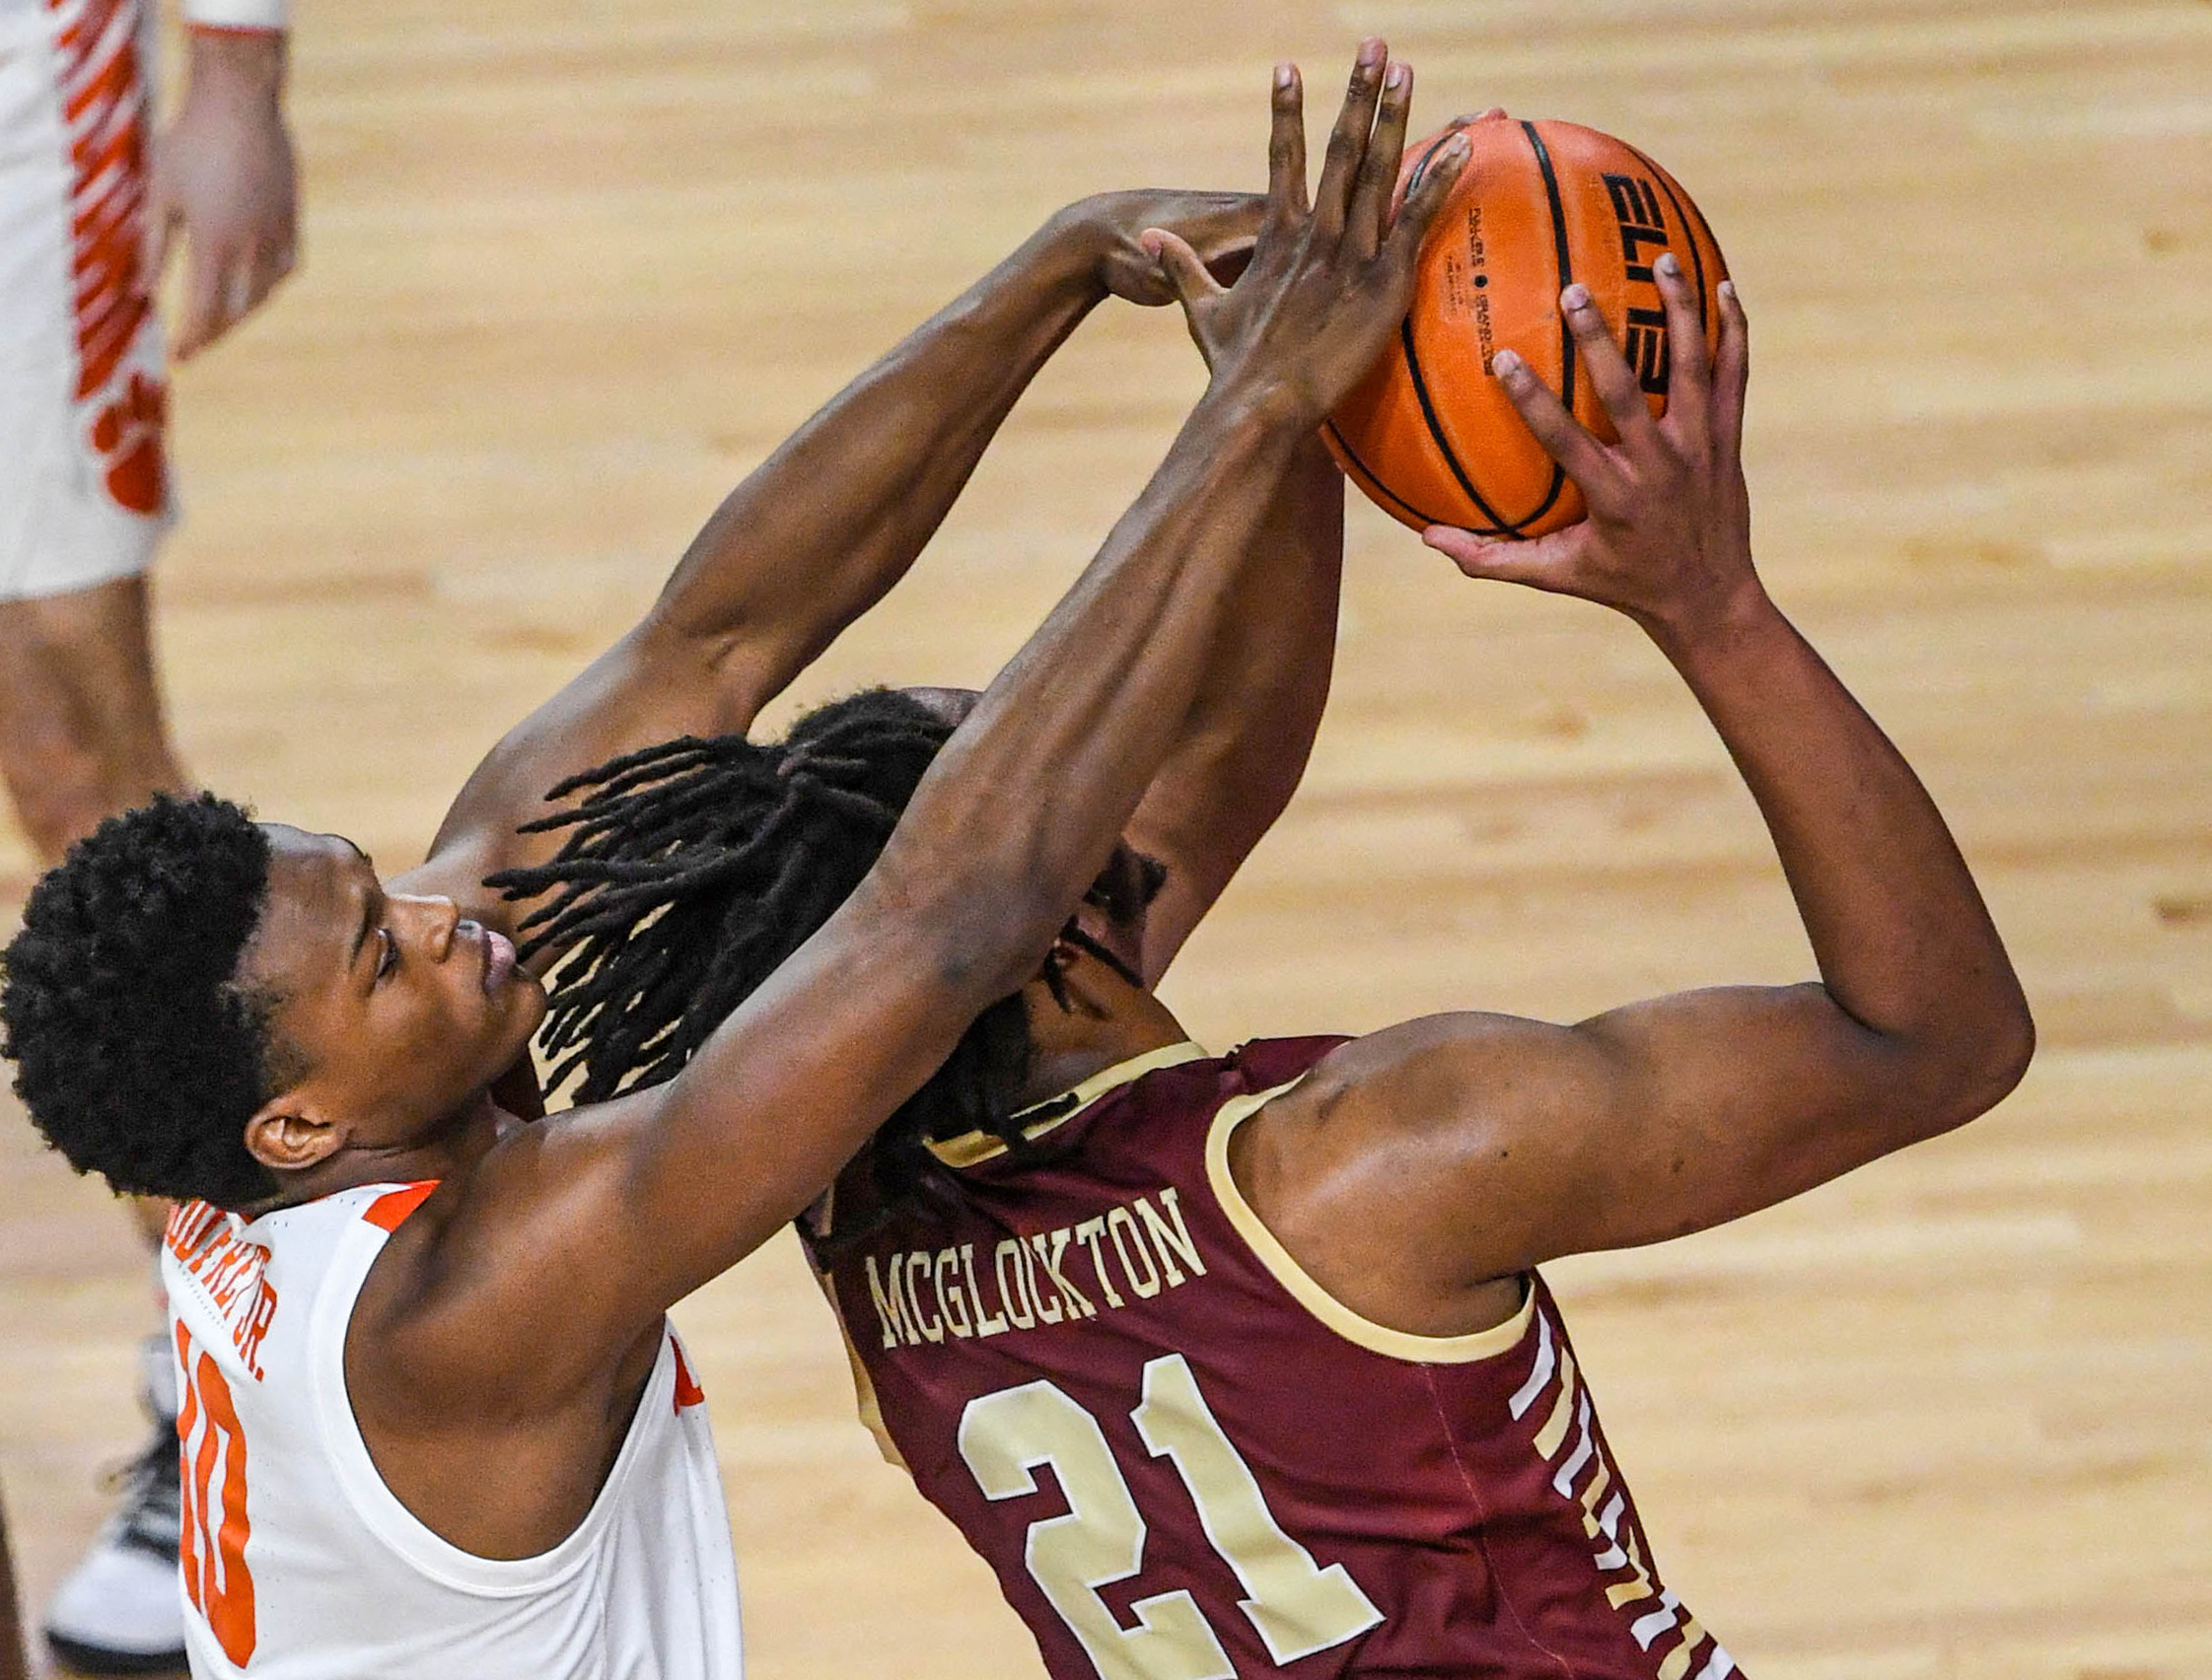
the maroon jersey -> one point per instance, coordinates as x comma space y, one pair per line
1185, 1461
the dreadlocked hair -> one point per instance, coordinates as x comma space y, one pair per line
692, 870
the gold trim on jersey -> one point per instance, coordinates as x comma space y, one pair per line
1361, 1332
971, 1148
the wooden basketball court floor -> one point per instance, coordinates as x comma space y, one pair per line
572, 267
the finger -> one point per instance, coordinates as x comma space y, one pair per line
1465, 118
235, 301
1187, 277
1689, 375
1609, 370
1546, 563
1378, 178
1732, 372
1286, 150
160, 216
270, 264
242, 289
1565, 438
1185, 270
1347, 142
1433, 176
202, 318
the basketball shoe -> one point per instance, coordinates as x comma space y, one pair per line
121, 1610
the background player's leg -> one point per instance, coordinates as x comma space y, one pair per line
11, 1657
120, 1610
81, 731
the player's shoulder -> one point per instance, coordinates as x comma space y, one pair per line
1424, 1069
1266, 1063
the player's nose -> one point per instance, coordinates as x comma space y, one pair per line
436, 918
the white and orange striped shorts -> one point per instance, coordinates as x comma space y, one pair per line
84, 487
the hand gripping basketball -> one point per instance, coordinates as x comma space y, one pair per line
1328, 282
1667, 540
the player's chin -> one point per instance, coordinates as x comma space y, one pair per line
512, 1014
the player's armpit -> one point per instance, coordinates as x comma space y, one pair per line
1244, 745
1419, 1165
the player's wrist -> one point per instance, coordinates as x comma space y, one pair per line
1717, 627
237, 63
1250, 418
245, 16
1068, 255
1279, 400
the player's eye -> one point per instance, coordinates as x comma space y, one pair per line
388, 958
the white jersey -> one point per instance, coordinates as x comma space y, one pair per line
84, 487
298, 1562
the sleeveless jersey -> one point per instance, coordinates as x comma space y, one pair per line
298, 1562
1185, 1461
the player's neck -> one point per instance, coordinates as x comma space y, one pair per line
450, 1149
1110, 1021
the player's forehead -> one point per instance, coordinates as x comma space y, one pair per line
317, 883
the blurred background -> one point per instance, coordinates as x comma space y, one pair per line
571, 268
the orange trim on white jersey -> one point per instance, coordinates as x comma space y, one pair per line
107, 113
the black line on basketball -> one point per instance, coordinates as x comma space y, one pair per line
1704, 227
1498, 526
1564, 258
1696, 256
1375, 482
1421, 165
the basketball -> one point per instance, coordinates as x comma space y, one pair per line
1429, 434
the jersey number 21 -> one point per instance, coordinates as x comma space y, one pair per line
1295, 1606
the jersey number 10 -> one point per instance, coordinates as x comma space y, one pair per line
216, 1579
1296, 1607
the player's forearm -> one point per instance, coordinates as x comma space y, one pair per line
1015, 818
1260, 703
829, 522
1904, 941
1024, 806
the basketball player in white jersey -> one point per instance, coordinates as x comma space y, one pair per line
87, 204
434, 1420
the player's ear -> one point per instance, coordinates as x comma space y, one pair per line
290, 1133
1066, 973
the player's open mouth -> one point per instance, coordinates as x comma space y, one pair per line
499, 960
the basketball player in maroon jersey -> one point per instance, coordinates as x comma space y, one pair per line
1273, 1320
249, 1016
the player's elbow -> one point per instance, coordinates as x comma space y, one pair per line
2007, 1050
1977, 1064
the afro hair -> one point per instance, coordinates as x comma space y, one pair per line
137, 1052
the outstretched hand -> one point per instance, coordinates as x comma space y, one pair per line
1667, 540
1329, 280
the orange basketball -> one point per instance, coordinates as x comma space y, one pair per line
1429, 434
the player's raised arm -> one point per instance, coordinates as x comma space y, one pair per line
636, 1202
1501, 1142
1250, 728
823, 527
